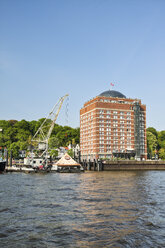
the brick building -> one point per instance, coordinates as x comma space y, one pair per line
112, 125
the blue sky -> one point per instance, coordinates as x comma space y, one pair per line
52, 47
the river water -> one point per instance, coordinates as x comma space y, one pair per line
92, 209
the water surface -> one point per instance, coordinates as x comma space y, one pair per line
92, 209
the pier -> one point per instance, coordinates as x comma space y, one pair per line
124, 165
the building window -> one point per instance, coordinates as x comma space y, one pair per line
101, 129
101, 133
101, 142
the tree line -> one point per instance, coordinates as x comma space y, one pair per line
16, 135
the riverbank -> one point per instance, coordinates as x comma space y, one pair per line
123, 165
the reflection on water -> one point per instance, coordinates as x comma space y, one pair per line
93, 209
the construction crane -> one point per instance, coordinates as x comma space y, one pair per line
41, 137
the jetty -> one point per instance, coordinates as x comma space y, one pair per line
124, 165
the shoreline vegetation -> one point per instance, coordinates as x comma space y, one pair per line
16, 136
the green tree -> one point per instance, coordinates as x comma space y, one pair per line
162, 153
22, 135
57, 128
12, 122
153, 131
70, 153
54, 153
33, 127
53, 144
161, 139
23, 145
4, 124
62, 137
9, 134
14, 147
22, 125
151, 143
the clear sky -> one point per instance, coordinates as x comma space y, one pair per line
52, 47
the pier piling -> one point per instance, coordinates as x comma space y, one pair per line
11, 158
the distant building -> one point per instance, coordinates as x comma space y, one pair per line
62, 151
22, 153
112, 125
76, 149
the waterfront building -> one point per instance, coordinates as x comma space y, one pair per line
112, 125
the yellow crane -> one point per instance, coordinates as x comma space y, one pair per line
41, 137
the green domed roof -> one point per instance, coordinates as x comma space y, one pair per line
112, 93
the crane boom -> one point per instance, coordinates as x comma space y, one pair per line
56, 115
41, 136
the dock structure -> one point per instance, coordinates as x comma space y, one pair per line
125, 165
